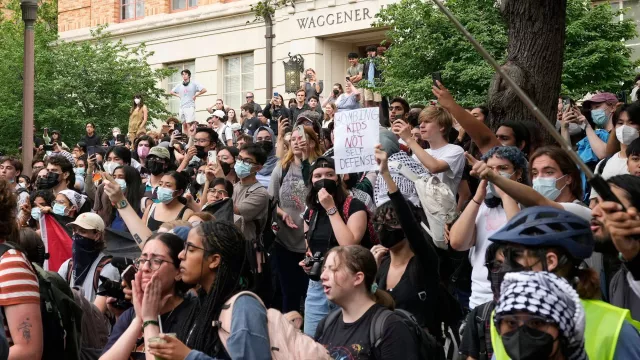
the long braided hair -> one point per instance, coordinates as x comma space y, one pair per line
222, 238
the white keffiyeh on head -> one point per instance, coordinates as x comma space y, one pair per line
551, 297
75, 198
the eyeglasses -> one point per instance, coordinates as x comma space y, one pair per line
188, 245
219, 192
249, 97
154, 263
246, 161
509, 323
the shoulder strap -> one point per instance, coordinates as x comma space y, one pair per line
480, 322
253, 188
4, 247
603, 164
69, 269
327, 321
181, 214
377, 326
345, 208
284, 173
101, 264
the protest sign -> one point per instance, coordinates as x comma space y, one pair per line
356, 134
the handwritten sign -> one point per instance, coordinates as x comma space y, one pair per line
356, 134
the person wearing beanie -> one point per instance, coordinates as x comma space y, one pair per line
540, 316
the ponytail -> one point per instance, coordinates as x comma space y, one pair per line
588, 283
383, 298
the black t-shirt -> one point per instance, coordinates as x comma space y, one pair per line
322, 238
352, 341
171, 323
92, 140
251, 125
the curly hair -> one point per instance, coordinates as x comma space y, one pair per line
8, 223
513, 155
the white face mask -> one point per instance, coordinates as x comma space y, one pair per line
201, 179
137, 101
626, 134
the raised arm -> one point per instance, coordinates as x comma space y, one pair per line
480, 134
136, 226
435, 166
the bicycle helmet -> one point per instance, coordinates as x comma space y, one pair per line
546, 226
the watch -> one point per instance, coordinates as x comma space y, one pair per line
332, 210
121, 204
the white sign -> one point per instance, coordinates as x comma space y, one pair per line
356, 134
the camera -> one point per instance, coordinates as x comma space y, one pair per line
113, 289
315, 262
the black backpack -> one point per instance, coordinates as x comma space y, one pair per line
61, 316
428, 347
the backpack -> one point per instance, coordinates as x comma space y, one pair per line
258, 253
484, 341
437, 200
287, 342
224, 139
373, 235
61, 316
428, 347
96, 276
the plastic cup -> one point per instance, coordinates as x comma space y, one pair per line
158, 339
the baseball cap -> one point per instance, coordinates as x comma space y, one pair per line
219, 113
309, 118
323, 162
235, 127
89, 221
160, 152
600, 98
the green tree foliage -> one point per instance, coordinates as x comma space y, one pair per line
422, 40
76, 82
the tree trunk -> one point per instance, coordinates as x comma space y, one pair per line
534, 60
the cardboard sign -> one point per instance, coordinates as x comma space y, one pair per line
356, 134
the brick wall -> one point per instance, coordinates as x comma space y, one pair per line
78, 14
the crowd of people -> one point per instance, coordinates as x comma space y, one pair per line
465, 243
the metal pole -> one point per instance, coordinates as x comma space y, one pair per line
29, 14
596, 181
269, 55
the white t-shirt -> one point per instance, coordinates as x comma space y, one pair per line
226, 130
109, 271
454, 156
488, 222
615, 166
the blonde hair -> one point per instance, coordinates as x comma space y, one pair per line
314, 153
438, 114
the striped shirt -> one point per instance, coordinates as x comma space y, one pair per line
18, 283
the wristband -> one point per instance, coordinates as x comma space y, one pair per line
150, 322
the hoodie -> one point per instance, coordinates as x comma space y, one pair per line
264, 175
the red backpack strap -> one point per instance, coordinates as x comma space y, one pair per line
345, 208
96, 276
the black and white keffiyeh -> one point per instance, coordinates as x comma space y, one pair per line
546, 295
406, 186
74, 198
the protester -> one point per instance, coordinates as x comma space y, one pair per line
158, 269
264, 137
549, 239
55, 138
299, 106
231, 116
335, 93
170, 188
372, 73
138, 116
349, 100
311, 85
249, 120
355, 71
348, 281
91, 139
142, 147
288, 188
329, 113
328, 223
275, 111
187, 91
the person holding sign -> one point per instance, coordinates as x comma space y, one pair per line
332, 219
444, 160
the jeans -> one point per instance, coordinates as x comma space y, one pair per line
316, 307
293, 280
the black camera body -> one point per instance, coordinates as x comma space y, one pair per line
315, 262
113, 289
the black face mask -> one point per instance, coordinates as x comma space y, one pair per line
202, 153
226, 168
155, 167
526, 343
267, 146
336, 92
330, 185
496, 278
391, 237
48, 182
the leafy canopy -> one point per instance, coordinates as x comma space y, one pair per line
422, 41
75, 83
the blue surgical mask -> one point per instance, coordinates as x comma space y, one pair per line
35, 213
122, 183
59, 209
242, 169
547, 187
164, 195
79, 171
491, 190
599, 117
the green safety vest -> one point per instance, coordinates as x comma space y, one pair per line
602, 327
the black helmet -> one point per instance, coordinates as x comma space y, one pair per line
544, 226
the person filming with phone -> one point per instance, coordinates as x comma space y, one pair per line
275, 110
311, 85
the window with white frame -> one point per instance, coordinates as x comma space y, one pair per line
238, 79
183, 4
131, 9
176, 78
